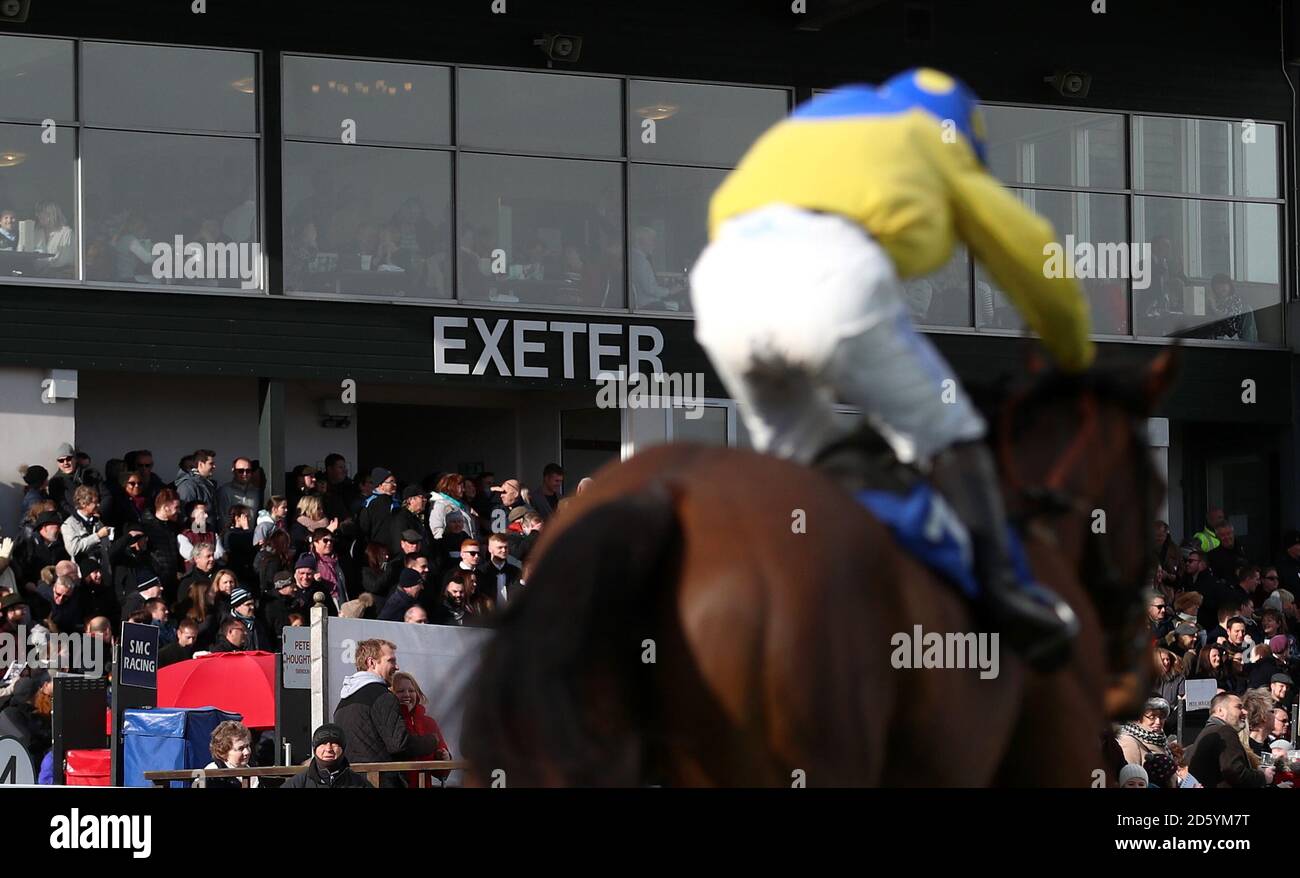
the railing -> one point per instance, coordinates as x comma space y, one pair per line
371, 770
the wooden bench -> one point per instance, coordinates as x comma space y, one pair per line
371, 770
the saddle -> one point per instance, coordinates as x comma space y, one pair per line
900, 497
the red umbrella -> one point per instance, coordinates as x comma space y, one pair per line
240, 682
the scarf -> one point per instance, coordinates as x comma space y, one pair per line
1155, 739
248, 630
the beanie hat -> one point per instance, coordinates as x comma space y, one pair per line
379, 475
1131, 771
145, 580
240, 596
328, 734
409, 577
1277, 643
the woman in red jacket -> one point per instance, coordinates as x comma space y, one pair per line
411, 700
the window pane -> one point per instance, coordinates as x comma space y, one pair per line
37, 203
1192, 242
943, 297
1055, 147
707, 425
558, 225
1205, 156
367, 221
669, 227
162, 87
539, 112
1089, 229
700, 124
145, 188
394, 103
36, 79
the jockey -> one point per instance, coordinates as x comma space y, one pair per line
798, 301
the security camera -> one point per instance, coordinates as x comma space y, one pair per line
560, 47
1070, 83
14, 11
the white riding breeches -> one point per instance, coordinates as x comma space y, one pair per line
798, 310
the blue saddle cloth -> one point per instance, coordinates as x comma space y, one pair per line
926, 528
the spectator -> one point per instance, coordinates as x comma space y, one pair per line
530, 531
468, 563
20, 719
1170, 682
271, 519
1284, 772
328, 767
409, 521
1183, 778
341, 493
416, 616
328, 569
547, 499
83, 531
44, 549
199, 606
507, 496
147, 588
361, 607
205, 563
231, 747
69, 477
187, 633
409, 585
1198, 578
64, 612
1206, 538
224, 584
1161, 770
1133, 777
369, 713
239, 491
381, 571
36, 478
130, 502
231, 636
1215, 664
449, 503
163, 527
243, 608
1281, 725
311, 518
451, 610
376, 515
95, 595
1268, 583
1288, 563
1158, 614
1282, 689
498, 574
1258, 707
1187, 607
237, 543
141, 461
1217, 757
1147, 735
287, 597
1229, 556
275, 556
1238, 642
314, 584
411, 701
197, 485
303, 483
199, 531
1182, 642
1275, 662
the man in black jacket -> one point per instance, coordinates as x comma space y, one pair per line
44, 549
409, 521
1217, 758
1288, 563
370, 716
328, 768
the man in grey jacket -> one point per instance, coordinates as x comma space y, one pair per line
196, 486
370, 716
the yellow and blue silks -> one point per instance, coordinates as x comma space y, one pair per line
904, 161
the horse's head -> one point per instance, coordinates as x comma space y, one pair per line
1075, 464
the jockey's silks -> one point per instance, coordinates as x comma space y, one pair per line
915, 185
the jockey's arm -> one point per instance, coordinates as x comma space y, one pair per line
1009, 239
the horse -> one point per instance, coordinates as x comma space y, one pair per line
720, 618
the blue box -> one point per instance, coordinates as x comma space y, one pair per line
168, 739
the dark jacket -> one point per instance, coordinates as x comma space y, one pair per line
1217, 758
313, 777
174, 652
487, 579
276, 610
164, 552
1288, 573
403, 520
193, 488
376, 517
382, 583
372, 720
1224, 562
65, 616
396, 606
30, 557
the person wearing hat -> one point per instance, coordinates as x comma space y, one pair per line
1147, 735
1161, 770
67, 479
308, 582
408, 525
243, 607
37, 480
147, 587
1276, 662
1284, 774
14, 613
378, 509
285, 598
1133, 777
328, 767
1282, 688
43, 549
407, 594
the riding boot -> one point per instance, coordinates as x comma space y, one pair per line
1036, 622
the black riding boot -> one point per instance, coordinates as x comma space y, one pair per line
1036, 623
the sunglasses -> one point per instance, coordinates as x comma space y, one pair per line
133, 484
471, 551
63, 460
241, 469
325, 540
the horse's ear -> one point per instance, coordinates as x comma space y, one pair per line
1160, 375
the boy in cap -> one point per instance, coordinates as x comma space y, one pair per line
328, 768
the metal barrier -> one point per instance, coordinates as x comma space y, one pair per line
371, 770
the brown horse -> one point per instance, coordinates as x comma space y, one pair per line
714, 617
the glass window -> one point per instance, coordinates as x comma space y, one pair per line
1055, 147
390, 103
145, 188
540, 231
699, 124
1215, 269
538, 112
367, 221
942, 298
669, 227
37, 203
129, 86
1092, 236
707, 425
37, 79
1205, 156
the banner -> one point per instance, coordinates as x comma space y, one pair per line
442, 658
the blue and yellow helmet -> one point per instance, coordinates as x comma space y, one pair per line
943, 96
